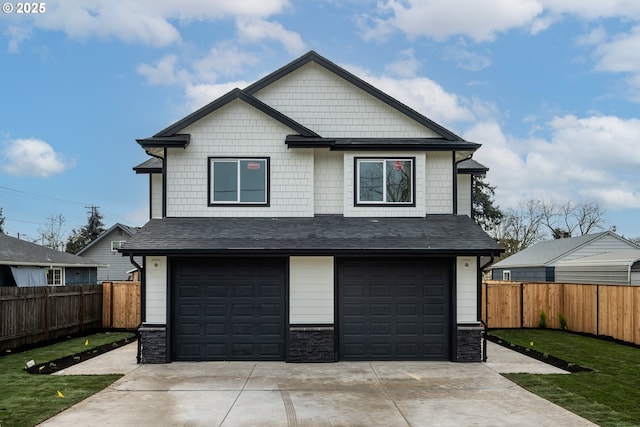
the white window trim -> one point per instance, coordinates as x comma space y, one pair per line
506, 275
384, 160
61, 270
116, 244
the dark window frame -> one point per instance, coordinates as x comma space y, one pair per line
213, 203
383, 159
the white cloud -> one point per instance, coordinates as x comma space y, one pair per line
258, 30
406, 66
467, 59
150, 22
439, 19
32, 157
591, 158
422, 94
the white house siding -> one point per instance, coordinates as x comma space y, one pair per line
116, 264
333, 107
328, 182
311, 290
464, 195
156, 290
239, 130
467, 289
439, 182
156, 195
388, 211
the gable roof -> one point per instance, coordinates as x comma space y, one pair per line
18, 252
312, 56
129, 231
616, 258
547, 252
305, 138
322, 234
221, 102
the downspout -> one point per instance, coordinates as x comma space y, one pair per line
486, 308
455, 181
142, 304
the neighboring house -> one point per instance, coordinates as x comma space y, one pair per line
538, 262
309, 217
104, 250
26, 264
609, 268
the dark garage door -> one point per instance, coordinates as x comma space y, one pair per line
394, 309
228, 309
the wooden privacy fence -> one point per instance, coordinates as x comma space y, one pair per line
31, 315
608, 310
121, 305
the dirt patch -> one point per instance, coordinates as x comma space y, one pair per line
543, 357
62, 363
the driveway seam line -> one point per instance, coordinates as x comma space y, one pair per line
386, 393
238, 396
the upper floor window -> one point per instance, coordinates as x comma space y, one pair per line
385, 181
116, 244
238, 181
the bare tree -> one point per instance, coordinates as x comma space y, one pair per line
572, 219
51, 235
520, 227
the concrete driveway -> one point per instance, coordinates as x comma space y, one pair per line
337, 394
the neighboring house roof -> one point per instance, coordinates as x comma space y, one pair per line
547, 253
472, 167
16, 252
616, 258
129, 231
330, 234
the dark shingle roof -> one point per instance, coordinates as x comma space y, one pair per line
152, 165
471, 167
18, 252
322, 234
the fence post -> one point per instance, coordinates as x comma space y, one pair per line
46, 313
81, 308
521, 305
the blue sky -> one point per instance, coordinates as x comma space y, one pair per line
551, 89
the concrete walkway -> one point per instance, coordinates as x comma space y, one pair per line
336, 394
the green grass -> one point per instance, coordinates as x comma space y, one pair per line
608, 396
26, 399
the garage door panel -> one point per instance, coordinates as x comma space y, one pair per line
380, 329
216, 329
228, 309
394, 309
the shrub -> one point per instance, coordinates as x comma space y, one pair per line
563, 322
542, 324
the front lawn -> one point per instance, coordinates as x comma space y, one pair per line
28, 399
608, 396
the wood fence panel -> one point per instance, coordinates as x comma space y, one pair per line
581, 308
34, 314
503, 308
617, 314
542, 296
123, 308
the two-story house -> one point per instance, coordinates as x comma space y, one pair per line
310, 217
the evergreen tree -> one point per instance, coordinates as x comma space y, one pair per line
483, 210
87, 234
